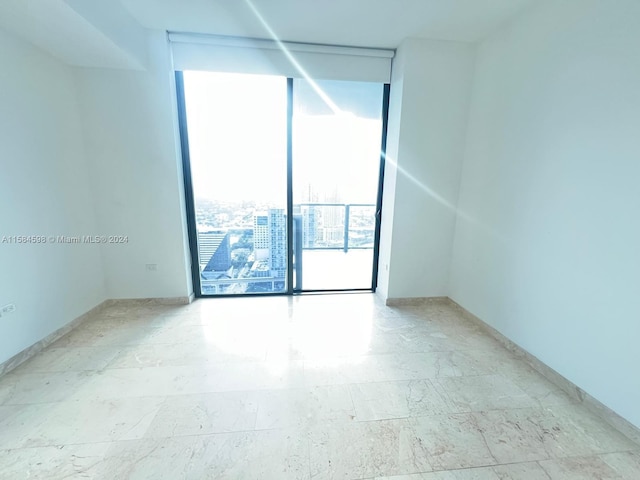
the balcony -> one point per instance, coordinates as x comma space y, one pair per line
336, 269
338, 253
332, 250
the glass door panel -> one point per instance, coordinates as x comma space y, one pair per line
336, 138
237, 130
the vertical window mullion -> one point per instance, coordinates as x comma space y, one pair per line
383, 155
188, 185
289, 186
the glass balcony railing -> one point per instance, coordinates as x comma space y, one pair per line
335, 226
243, 260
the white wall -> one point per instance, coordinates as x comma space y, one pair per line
44, 190
132, 143
431, 86
547, 246
390, 172
117, 25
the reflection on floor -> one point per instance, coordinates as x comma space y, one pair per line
294, 388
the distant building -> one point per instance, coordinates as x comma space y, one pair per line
260, 269
270, 240
261, 236
309, 227
214, 251
210, 282
277, 242
332, 235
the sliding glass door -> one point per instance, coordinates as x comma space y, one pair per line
337, 129
237, 133
282, 181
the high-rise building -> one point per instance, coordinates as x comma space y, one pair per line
214, 251
261, 236
309, 226
270, 240
277, 242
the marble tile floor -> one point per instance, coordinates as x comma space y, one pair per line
310, 387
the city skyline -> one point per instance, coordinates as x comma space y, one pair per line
258, 249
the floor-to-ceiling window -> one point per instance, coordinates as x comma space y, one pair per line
337, 129
283, 172
237, 130
284, 180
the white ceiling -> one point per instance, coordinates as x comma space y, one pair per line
373, 23
109, 33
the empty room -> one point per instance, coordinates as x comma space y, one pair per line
285, 239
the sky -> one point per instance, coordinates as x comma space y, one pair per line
237, 130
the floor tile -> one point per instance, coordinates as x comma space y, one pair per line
521, 471
416, 366
268, 454
452, 441
53, 463
365, 449
386, 400
181, 354
412, 476
30, 388
306, 407
104, 334
69, 359
579, 468
345, 370
465, 474
541, 433
184, 380
412, 342
205, 414
76, 422
485, 392
536, 386
626, 464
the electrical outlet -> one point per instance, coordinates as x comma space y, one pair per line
151, 267
9, 308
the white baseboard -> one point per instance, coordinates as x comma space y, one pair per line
414, 301
133, 302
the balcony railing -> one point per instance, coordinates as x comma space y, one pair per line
317, 226
342, 226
